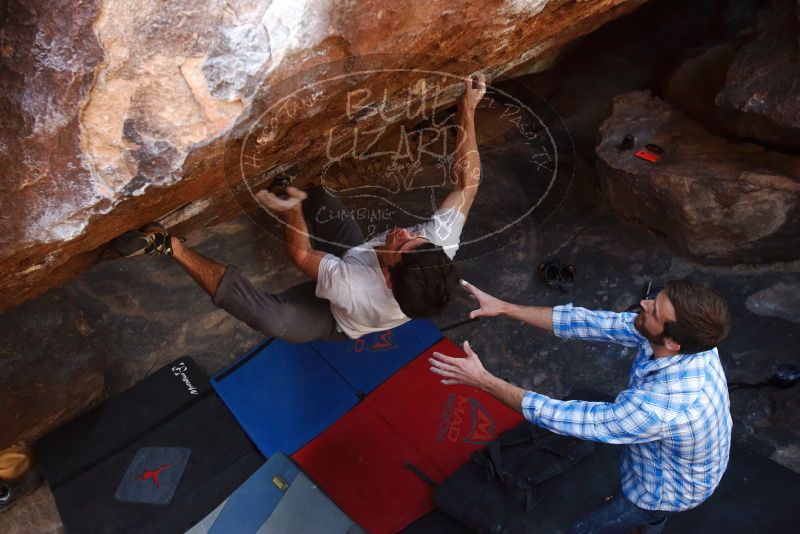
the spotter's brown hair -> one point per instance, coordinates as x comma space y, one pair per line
702, 316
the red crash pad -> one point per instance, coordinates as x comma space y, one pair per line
446, 423
412, 418
359, 462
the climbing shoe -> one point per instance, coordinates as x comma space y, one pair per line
279, 187
550, 271
151, 239
566, 276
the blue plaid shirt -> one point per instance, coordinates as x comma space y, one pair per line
674, 418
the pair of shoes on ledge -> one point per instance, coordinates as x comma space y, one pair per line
558, 275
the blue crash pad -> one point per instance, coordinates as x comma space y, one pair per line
369, 360
283, 395
277, 498
252, 503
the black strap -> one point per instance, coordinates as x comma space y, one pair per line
495, 448
578, 451
552, 470
495, 466
420, 473
523, 488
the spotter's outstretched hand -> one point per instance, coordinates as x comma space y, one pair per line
489, 306
468, 371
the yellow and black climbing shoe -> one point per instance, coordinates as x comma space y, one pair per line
151, 239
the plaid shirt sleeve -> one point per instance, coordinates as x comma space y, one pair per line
580, 323
631, 418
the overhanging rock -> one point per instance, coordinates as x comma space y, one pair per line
118, 113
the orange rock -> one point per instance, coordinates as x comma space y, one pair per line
114, 116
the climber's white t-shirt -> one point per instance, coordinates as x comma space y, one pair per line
354, 284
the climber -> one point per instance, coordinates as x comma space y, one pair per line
401, 274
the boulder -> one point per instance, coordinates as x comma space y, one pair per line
115, 115
716, 201
693, 87
761, 95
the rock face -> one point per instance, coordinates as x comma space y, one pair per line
115, 115
716, 201
53, 367
761, 95
695, 84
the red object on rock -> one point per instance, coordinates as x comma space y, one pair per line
647, 156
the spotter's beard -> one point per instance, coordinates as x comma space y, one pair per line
655, 339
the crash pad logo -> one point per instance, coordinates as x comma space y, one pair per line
180, 369
465, 420
377, 342
153, 475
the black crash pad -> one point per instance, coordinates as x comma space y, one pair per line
755, 495
436, 522
73, 447
156, 458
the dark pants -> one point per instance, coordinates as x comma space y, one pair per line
620, 516
296, 315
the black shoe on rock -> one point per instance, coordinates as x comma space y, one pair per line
567, 278
149, 240
557, 275
550, 270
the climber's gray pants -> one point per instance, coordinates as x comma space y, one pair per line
297, 315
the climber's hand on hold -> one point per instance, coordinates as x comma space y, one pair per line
475, 88
294, 199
